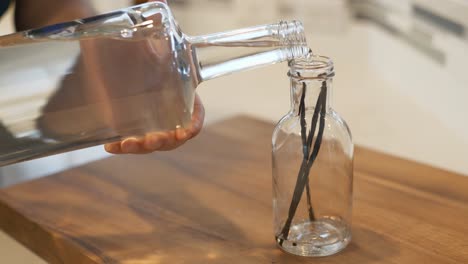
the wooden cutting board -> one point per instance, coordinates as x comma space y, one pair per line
210, 202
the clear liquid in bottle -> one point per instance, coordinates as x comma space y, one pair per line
125, 73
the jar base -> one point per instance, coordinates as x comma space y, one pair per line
323, 237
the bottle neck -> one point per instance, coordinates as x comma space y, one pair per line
309, 91
311, 83
219, 54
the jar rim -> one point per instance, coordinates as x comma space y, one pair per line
311, 67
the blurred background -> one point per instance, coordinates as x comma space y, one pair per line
400, 73
401, 80
400, 77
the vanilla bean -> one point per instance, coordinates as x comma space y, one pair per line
303, 176
294, 203
318, 141
313, 156
305, 146
310, 209
314, 119
309, 145
302, 112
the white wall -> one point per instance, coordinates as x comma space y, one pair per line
396, 98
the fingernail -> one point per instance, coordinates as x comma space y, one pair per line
109, 148
130, 146
112, 147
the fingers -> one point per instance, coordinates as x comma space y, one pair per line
161, 141
132, 145
113, 148
156, 141
198, 117
127, 146
164, 141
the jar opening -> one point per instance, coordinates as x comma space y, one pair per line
311, 67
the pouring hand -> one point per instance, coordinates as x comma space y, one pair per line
161, 141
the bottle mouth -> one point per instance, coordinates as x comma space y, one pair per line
311, 67
292, 37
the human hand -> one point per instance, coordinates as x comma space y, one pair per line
161, 141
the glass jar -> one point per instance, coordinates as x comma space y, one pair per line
312, 153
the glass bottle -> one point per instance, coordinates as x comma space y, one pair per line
312, 153
125, 73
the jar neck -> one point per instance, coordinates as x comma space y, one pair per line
309, 92
311, 83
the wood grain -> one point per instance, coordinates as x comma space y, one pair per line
210, 202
